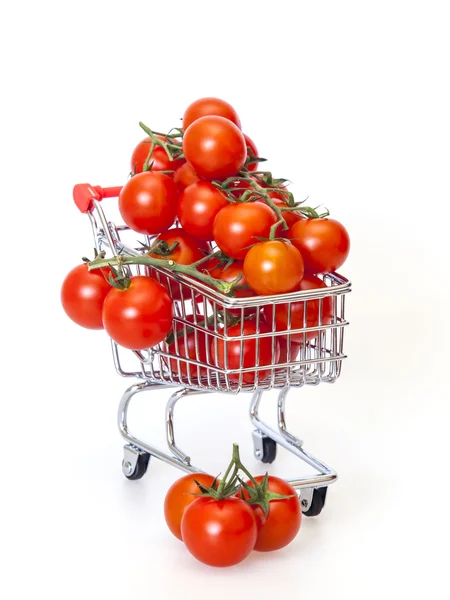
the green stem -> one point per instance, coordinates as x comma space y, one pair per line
148, 261
158, 142
273, 230
147, 160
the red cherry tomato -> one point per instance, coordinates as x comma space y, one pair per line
185, 176
148, 202
192, 345
215, 147
160, 159
290, 216
188, 251
140, 316
207, 107
242, 290
198, 207
237, 227
295, 348
229, 274
219, 533
253, 152
229, 352
82, 295
309, 282
273, 267
283, 522
323, 243
179, 496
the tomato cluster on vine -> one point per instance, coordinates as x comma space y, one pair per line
222, 522
198, 192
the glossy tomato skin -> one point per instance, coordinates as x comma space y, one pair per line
242, 290
228, 354
148, 202
215, 147
273, 267
219, 533
237, 227
198, 207
185, 176
82, 295
188, 345
229, 274
284, 519
140, 316
253, 152
160, 159
323, 243
189, 249
309, 282
179, 496
210, 107
295, 348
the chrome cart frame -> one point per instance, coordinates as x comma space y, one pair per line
309, 323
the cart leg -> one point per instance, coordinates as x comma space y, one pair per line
313, 488
136, 448
170, 415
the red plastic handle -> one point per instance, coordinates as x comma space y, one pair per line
84, 193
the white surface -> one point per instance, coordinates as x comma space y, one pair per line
348, 99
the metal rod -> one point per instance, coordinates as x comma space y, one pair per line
326, 475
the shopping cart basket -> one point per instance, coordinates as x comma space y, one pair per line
313, 319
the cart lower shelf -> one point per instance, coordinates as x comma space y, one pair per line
137, 453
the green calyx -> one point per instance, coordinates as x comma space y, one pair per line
231, 483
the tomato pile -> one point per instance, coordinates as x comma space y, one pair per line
198, 191
221, 522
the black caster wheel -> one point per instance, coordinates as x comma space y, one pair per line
140, 468
265, 447
317, 502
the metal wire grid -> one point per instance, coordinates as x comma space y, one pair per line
208, 318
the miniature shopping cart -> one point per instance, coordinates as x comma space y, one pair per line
203, 311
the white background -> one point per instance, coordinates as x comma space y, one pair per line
351, 101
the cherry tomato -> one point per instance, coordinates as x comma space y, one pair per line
140, 316
187, 348
148, 202
229, 352
323, 243
309, 282
188, 251
238, 188
219, 533
283, 522
198, 207
207, 107
237, 227
160, 159
179, 496
273, 267
184, 176
295, 348
290, 216
253, 152
242, 290
215, 147
82, 295
229, 274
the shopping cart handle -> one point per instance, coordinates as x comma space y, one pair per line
85, 193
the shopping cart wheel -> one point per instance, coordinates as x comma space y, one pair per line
135, 462
264, 446
317, 502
